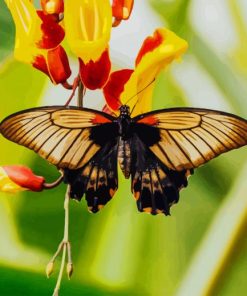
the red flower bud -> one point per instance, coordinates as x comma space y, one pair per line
121, 10
52, 6
22, 177
55, 65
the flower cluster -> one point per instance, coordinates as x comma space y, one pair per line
86, 26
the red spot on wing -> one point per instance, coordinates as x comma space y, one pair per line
149, 120
99, 119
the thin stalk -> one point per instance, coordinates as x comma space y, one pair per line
64, 245
53, 184
59, 279
75, 86
81, 93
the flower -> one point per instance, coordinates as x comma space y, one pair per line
15, 178
38, 38
52, 6
121, 10
135, 86
88, 29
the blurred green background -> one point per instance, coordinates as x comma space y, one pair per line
202, 248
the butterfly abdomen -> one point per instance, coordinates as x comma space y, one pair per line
124, 156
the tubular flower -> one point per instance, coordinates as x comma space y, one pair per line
88, 27
38, 38
135, 86
121, 10
15, 178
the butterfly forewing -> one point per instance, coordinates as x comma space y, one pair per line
189, 137
61, 135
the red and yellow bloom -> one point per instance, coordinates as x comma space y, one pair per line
136, 86
54, 7
15, 178
121, 10
38, 38
87, 25
88, 30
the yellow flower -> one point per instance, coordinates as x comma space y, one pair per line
88, 29
37, 41
135, 87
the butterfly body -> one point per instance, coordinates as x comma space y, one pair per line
158, 150
125, 134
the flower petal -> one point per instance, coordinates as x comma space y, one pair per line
52, 33
15, 178
37, 40
88, 27
52, 6
156, 54
121, 9
28, 32
95, 74
54, 63
115, 87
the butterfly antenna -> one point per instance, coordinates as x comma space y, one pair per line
138, 94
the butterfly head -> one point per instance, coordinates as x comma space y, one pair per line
124, 110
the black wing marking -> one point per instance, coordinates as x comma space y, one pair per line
155, 187
189, 137
67, 137
98, 179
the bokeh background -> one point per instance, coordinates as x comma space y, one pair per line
202, 248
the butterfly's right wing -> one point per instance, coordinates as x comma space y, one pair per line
186, 138
67, 137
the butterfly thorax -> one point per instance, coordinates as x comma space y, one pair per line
124, 151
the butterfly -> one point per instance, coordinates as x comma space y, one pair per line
158, 150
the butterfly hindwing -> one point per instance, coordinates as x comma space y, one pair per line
189, 137
67, 137
155, 187
98, 179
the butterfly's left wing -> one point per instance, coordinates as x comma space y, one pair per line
67, 137
189, 137
80, 141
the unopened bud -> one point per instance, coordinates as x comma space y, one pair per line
49, 268
70, 269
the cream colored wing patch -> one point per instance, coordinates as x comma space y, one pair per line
58, 134
191, 137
